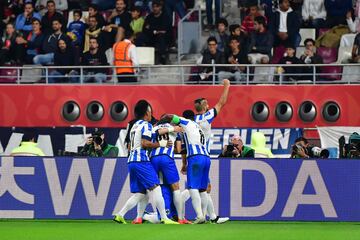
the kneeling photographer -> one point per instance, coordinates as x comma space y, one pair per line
236, 149
303, 149
96, 146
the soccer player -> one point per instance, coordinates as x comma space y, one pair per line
143, 178
198, 161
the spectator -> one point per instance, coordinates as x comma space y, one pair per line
237, 149
354, 24
16, 8
50, 15
290, 59
286, 25
336, 11
356, 50
94, 57
96, 146
258, 143
64, 56
31, 44
61, 5
23, 21
9, 51
94, 31
94, 12
125, 56
137, 21
211, 56
248, 22
175, 5
236, 30
314, 13
261, 42
156, 32
76, 29
236, 55
119, 20
310, 57
209, 13
221, 36
28, 146
50, 44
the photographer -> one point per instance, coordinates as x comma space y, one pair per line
236, 149
96, 146
303, 149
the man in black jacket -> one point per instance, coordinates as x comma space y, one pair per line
291, 73
50, 15
286, 25
310, 57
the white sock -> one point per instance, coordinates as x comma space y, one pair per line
142, 206
210, 208
131, 203
185, 195
178, 203
196, 202
158, 200
204, 202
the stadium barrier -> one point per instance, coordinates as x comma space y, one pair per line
269, 189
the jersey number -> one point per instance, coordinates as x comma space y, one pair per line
163, 137
202, 137
132, 137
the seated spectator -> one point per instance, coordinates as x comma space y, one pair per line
50, 15
94, 57
313, 13
156, 32
261, 42
336, 12
28, 146
95, 31
236, 55
221, 36
356, 50
125, 56
76, 29
236, 30
237, 149
64, 56
258, 143
290, 58
248, 22
61, 5
310, 57
354, 24
50, 44
94, 12
286, 25
23, 21
211, 56
137, 21
9, 52
32, 43
119, 20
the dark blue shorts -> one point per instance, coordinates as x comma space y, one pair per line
142, 176
166, 165
198, 171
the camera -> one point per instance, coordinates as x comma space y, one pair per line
97, 139
317, 152
229, 151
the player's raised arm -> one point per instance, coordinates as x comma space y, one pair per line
224, 96
162, 131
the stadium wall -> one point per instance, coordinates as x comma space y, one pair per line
96, 188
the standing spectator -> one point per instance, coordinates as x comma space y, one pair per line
209, 13
156, 32
94, 57
125, 56
286, 25
23, 21
175, 5
310, 57
76, 29
356, 50
61, 5
248, 22
50, 15
9, 51
221, 36
32, 43
236, 55
290, 58
137, 21
94, 31
261, 42
94, 12
119, 20
314, 13
64, 56
28, 146
50, 44
336, 11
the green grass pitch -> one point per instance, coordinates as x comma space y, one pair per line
107, 229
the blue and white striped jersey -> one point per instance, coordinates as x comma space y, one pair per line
194, 138
204, 120
140, 130
167, 136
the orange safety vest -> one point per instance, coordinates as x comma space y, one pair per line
121, 57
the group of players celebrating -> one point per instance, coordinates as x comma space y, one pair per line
151, 163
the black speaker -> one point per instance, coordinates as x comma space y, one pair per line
331, 111
95, 111
283, 111
260, 112
307, 111
118, 111
71, 111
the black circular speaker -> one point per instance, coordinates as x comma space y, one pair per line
260, 112
118, 111
95, 111
71, 111
307, 111
331, 111
283, 111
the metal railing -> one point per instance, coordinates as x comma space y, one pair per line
189, 74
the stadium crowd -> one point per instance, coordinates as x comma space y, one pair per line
70, 33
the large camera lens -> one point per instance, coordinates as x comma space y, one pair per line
98, 140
